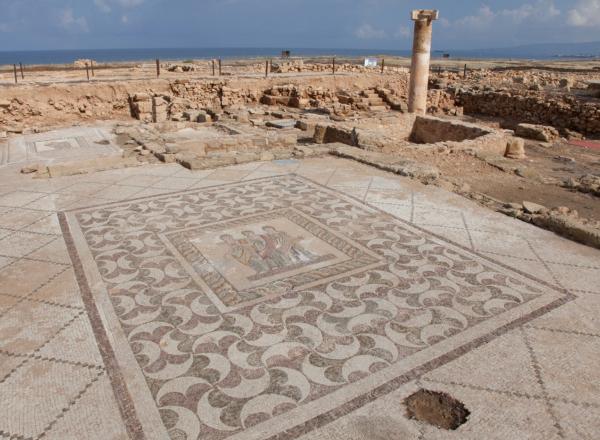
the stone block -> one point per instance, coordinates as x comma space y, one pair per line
91, 166
281, 123
515, 148
141, 97
542, 133
320, 133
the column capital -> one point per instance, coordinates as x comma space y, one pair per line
425, 14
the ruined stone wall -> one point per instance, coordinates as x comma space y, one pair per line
29, 107
36, 106
562, 112
300, 66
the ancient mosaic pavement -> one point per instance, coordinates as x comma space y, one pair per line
268, 308
74, 143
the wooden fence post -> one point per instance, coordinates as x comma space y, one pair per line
92, 66
87, 71
266, 68
220, 67
15, 69
213, 67
382, 65
333, 65
157, 68
465, 71
22, 74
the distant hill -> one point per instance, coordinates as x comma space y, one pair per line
544, 50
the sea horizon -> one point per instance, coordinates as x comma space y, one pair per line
67, 56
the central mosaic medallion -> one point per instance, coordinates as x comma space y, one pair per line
265, 255
264, 309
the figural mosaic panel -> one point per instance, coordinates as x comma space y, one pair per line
257, 308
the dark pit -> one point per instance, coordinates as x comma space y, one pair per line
437, 409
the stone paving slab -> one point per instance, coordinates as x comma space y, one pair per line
527, 370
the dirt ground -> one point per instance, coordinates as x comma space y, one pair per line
543, 170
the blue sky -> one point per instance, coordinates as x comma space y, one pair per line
383, 24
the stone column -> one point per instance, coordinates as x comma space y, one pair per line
419, 70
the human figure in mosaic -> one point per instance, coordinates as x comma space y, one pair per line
274, 256
244, 252
289, 246
260, 247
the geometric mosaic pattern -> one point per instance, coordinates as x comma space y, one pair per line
198, 347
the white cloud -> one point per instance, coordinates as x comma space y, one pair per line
538, 11
402, 32
124, 19
368, 32
482, 19
130, 3
541, 10
444, 22
108, 5
586, 13
68, 21
103, 5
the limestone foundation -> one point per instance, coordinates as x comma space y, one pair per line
417, 97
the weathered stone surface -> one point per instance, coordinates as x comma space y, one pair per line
429, 130
589, 183
91, 166
542, 133
281, 123
404, 167
533, 208
515, 148
568, 226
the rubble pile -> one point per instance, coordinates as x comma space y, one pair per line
589, 183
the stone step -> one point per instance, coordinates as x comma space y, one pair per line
370, 94
372, 101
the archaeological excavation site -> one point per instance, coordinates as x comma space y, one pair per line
298, 247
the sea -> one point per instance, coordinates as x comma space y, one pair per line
147, 54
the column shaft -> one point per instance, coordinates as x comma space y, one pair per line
419, 71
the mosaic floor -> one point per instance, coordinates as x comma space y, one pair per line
292, 299
74, 143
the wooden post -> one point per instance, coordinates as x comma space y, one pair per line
465, 71
157, 68
87, 71
382, 65
220, 67
92, 66
266, 68
15, 69
333, 65
213, 67
22, 74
